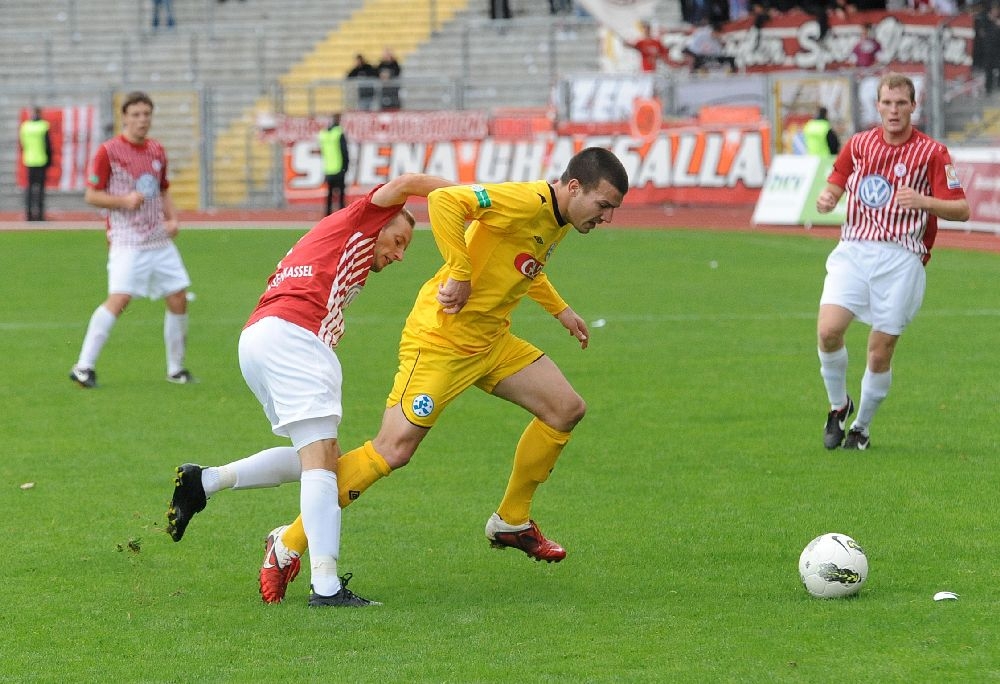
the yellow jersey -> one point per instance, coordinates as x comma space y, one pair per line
512, 231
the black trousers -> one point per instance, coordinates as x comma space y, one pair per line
34, 194
336, 182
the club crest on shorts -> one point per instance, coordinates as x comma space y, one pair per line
422, 406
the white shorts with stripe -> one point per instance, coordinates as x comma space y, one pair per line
881, 283
150, 273
296, 378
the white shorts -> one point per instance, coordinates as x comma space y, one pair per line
295, 377
881, 283
150, 273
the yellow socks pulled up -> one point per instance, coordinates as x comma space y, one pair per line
535, 456
357, 470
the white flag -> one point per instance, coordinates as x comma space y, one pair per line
621, 16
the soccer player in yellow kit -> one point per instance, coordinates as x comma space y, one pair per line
458, 335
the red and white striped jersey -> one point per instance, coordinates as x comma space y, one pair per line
325, 270
871, 170
118, 168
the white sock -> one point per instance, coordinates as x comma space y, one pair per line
98, 331
874, 389
268, 468
833, 369
175, 327
321, 519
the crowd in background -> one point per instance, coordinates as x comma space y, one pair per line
709, 16
378, 84
697, 12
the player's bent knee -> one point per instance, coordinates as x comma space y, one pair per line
570, 412
396, 455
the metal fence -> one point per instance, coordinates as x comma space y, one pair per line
210, 122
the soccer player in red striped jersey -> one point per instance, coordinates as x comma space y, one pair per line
288, 359
496, 240
128, 179
899, 183
458, 336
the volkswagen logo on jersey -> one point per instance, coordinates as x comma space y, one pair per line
527, 265
147, 185
422, 405
874, 191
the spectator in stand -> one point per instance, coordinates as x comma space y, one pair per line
697, 12
866, 51
818, 10
948, 8
499, 9
705, 46
986, 45
650, 49
389, 62
763, 10
388, 73
842, 9
388, 91
738, 9
36, 156
168, 9
366, 90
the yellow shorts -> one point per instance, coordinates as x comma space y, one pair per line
430, 376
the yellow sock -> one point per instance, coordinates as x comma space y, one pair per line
536, 455
357, 470
294, 537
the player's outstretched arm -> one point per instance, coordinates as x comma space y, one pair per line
400, 188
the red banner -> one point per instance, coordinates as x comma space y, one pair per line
791, 41
981, 181
74, 134
711, 162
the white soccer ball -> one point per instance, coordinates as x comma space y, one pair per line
833, 565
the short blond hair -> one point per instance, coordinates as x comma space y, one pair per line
894, 80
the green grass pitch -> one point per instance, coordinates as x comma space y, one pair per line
683, 499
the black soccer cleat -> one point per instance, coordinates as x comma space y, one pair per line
836, 422
84, 377
181, 377
857, 440
189, 498
345, 598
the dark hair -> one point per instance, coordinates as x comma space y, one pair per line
821, 113
135, 97
594, 164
